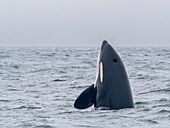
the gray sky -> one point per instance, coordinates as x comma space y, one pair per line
55, 23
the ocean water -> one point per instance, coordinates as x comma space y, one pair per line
38, 87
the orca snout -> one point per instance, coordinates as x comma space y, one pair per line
104, 44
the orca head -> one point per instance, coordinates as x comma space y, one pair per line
108, 65
112, 83
111, 88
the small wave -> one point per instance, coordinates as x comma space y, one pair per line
13, 89
161, 90
58, 80
48, 55
151, 121
66, 112
163, 99
152, 91
77, 78
88, 62
138, 103
160, 106
141, 78
15, 66
65, 76
44, 126
44, 117
78, 87
5, 108
31, 91
39, 70
4, 56
146, 109
160, 100
62, 71
67, 55
27, 107
168, 84
168, 116
164, 111
4, 100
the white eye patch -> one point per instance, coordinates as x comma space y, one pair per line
97, 70
101, 71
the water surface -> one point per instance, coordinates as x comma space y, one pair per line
38, 87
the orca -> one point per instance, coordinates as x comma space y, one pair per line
111, 89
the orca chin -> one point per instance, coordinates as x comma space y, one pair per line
111, 89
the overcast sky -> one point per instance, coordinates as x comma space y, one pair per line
53, 23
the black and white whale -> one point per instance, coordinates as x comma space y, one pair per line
111, 89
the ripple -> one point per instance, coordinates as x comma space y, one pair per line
138, 103
39, 70
13, 89
5, 101
165, 90
15, 66
27, 107
151, 121
4, 56
43, 117
44, 126
58, 80
160, 106
161, 90
164, 111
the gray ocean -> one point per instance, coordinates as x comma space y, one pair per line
38, 87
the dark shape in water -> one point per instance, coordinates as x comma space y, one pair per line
58, 80
111, 88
